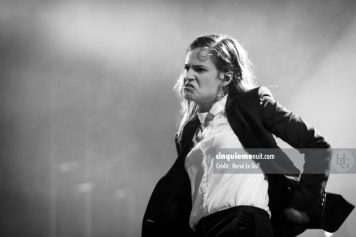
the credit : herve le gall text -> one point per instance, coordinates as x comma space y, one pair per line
224, 165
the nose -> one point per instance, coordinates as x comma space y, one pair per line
188, 75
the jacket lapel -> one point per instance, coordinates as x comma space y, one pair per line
238, 122
186, 142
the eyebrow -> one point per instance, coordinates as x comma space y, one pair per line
195, 65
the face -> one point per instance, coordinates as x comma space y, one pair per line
201, 78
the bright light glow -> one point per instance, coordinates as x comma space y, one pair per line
85, 187
120, 193
99, 29
68, 166
328, 234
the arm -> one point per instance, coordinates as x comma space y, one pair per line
293, 130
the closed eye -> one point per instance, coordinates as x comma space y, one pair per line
196, 68
199, 69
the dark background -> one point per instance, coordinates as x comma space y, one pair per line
88, 114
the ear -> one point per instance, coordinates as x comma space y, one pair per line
226, 78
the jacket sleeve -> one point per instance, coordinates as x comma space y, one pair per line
300, 135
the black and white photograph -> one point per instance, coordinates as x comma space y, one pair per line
191, 118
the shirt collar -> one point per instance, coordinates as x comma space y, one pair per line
218, 107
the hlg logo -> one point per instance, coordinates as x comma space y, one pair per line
342, 160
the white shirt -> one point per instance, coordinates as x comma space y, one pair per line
212, 192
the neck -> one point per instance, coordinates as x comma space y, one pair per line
205, 107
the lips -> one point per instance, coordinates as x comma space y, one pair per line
188, 86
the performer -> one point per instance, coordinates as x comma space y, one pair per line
222, 107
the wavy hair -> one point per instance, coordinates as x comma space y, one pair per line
228, 56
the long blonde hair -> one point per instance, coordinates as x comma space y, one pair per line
228, 56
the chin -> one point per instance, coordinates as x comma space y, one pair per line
188, 96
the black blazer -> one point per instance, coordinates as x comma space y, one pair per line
255, 117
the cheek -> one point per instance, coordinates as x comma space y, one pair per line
210, 86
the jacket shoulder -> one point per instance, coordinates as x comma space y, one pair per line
258, 91
257, 94
262, 90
